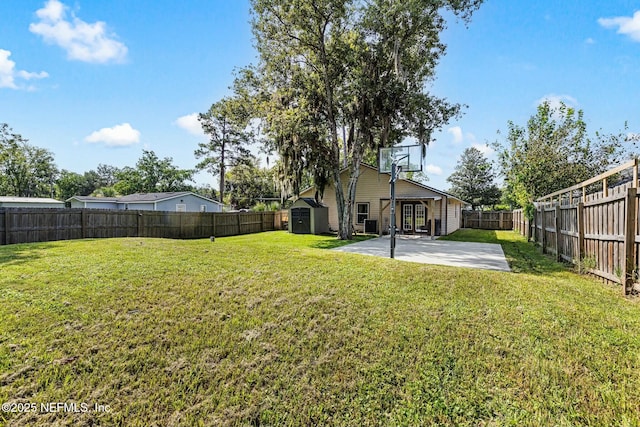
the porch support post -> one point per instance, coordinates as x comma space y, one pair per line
432, 217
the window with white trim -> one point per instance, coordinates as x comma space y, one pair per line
203, 208
181, 207
362, 212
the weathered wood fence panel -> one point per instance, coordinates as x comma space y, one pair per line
282, 220
488, 220
602, 235
41, 225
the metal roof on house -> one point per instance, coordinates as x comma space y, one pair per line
12, 199
152, 197
94, 199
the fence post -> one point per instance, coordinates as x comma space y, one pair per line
7, 234
558, 235
83, 223
140, 224
239, 223
501, 224
543, 237
580, 215
629, 240
261, 221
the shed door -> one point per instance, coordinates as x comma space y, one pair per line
301, 220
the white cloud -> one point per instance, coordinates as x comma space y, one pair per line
118, 136
190, 123
8, 73
456, 131
433, 170
82, 41
555, 100
625, 25
590, 41
483, 148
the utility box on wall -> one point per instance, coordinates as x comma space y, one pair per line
306, 216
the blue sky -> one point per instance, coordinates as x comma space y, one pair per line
98, 82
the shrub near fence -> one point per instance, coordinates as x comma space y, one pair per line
43, 225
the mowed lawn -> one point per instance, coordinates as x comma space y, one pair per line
276, 329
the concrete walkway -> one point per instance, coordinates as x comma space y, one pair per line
488, 256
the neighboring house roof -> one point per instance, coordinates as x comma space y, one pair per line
142, 197
410, 181
12, 199
94, 199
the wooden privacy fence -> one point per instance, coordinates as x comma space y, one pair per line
599, 232
489, 220
43, 225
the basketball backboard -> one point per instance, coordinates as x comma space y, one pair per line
408, 158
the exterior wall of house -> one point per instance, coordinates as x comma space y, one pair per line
454, 215
192, 204
371, 188
144, 206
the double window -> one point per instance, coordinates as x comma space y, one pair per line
362, 212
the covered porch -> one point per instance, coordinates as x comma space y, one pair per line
414, 215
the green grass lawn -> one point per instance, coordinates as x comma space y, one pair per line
274, 329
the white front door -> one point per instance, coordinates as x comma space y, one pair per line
407, 217
420, 217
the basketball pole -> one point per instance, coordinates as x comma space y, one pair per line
394, 175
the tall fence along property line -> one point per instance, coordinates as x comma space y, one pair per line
19, 225
492, 220
597, 231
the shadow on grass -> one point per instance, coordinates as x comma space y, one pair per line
523, 256
21, 253
336, 243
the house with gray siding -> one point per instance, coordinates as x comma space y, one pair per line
181, 201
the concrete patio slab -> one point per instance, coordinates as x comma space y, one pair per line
487, 256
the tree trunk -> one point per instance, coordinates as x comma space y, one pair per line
351, 189
343, 232
222, 171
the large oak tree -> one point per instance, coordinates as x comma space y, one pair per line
359, 65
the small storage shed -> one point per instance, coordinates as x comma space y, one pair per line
306, 216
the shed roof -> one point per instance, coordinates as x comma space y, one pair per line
311, 202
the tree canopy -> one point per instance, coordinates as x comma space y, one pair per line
25, 170
247, 184
226, 123
554, 151
473, 180
360, 65
152, 174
